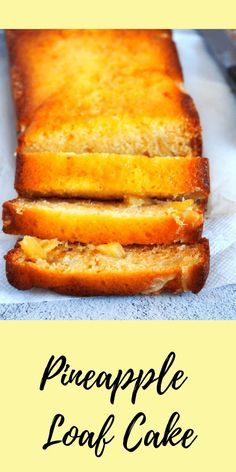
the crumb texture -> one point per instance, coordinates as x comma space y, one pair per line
90, 270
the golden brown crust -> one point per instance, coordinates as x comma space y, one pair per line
25, 275
191, 111
35, 56
105, 176
199, 273
182, 222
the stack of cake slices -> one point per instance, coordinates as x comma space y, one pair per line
112, 186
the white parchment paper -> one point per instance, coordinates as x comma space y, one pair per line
217, 108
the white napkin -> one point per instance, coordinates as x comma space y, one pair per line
217, 108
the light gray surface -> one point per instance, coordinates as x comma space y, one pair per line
218, 303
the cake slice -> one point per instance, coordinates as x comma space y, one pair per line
111, 176
107, 269
132, 221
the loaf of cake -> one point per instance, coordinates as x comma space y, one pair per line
113, 91
111, 180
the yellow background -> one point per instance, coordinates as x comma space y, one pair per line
205, 351
118, 14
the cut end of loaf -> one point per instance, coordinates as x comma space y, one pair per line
93, 270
